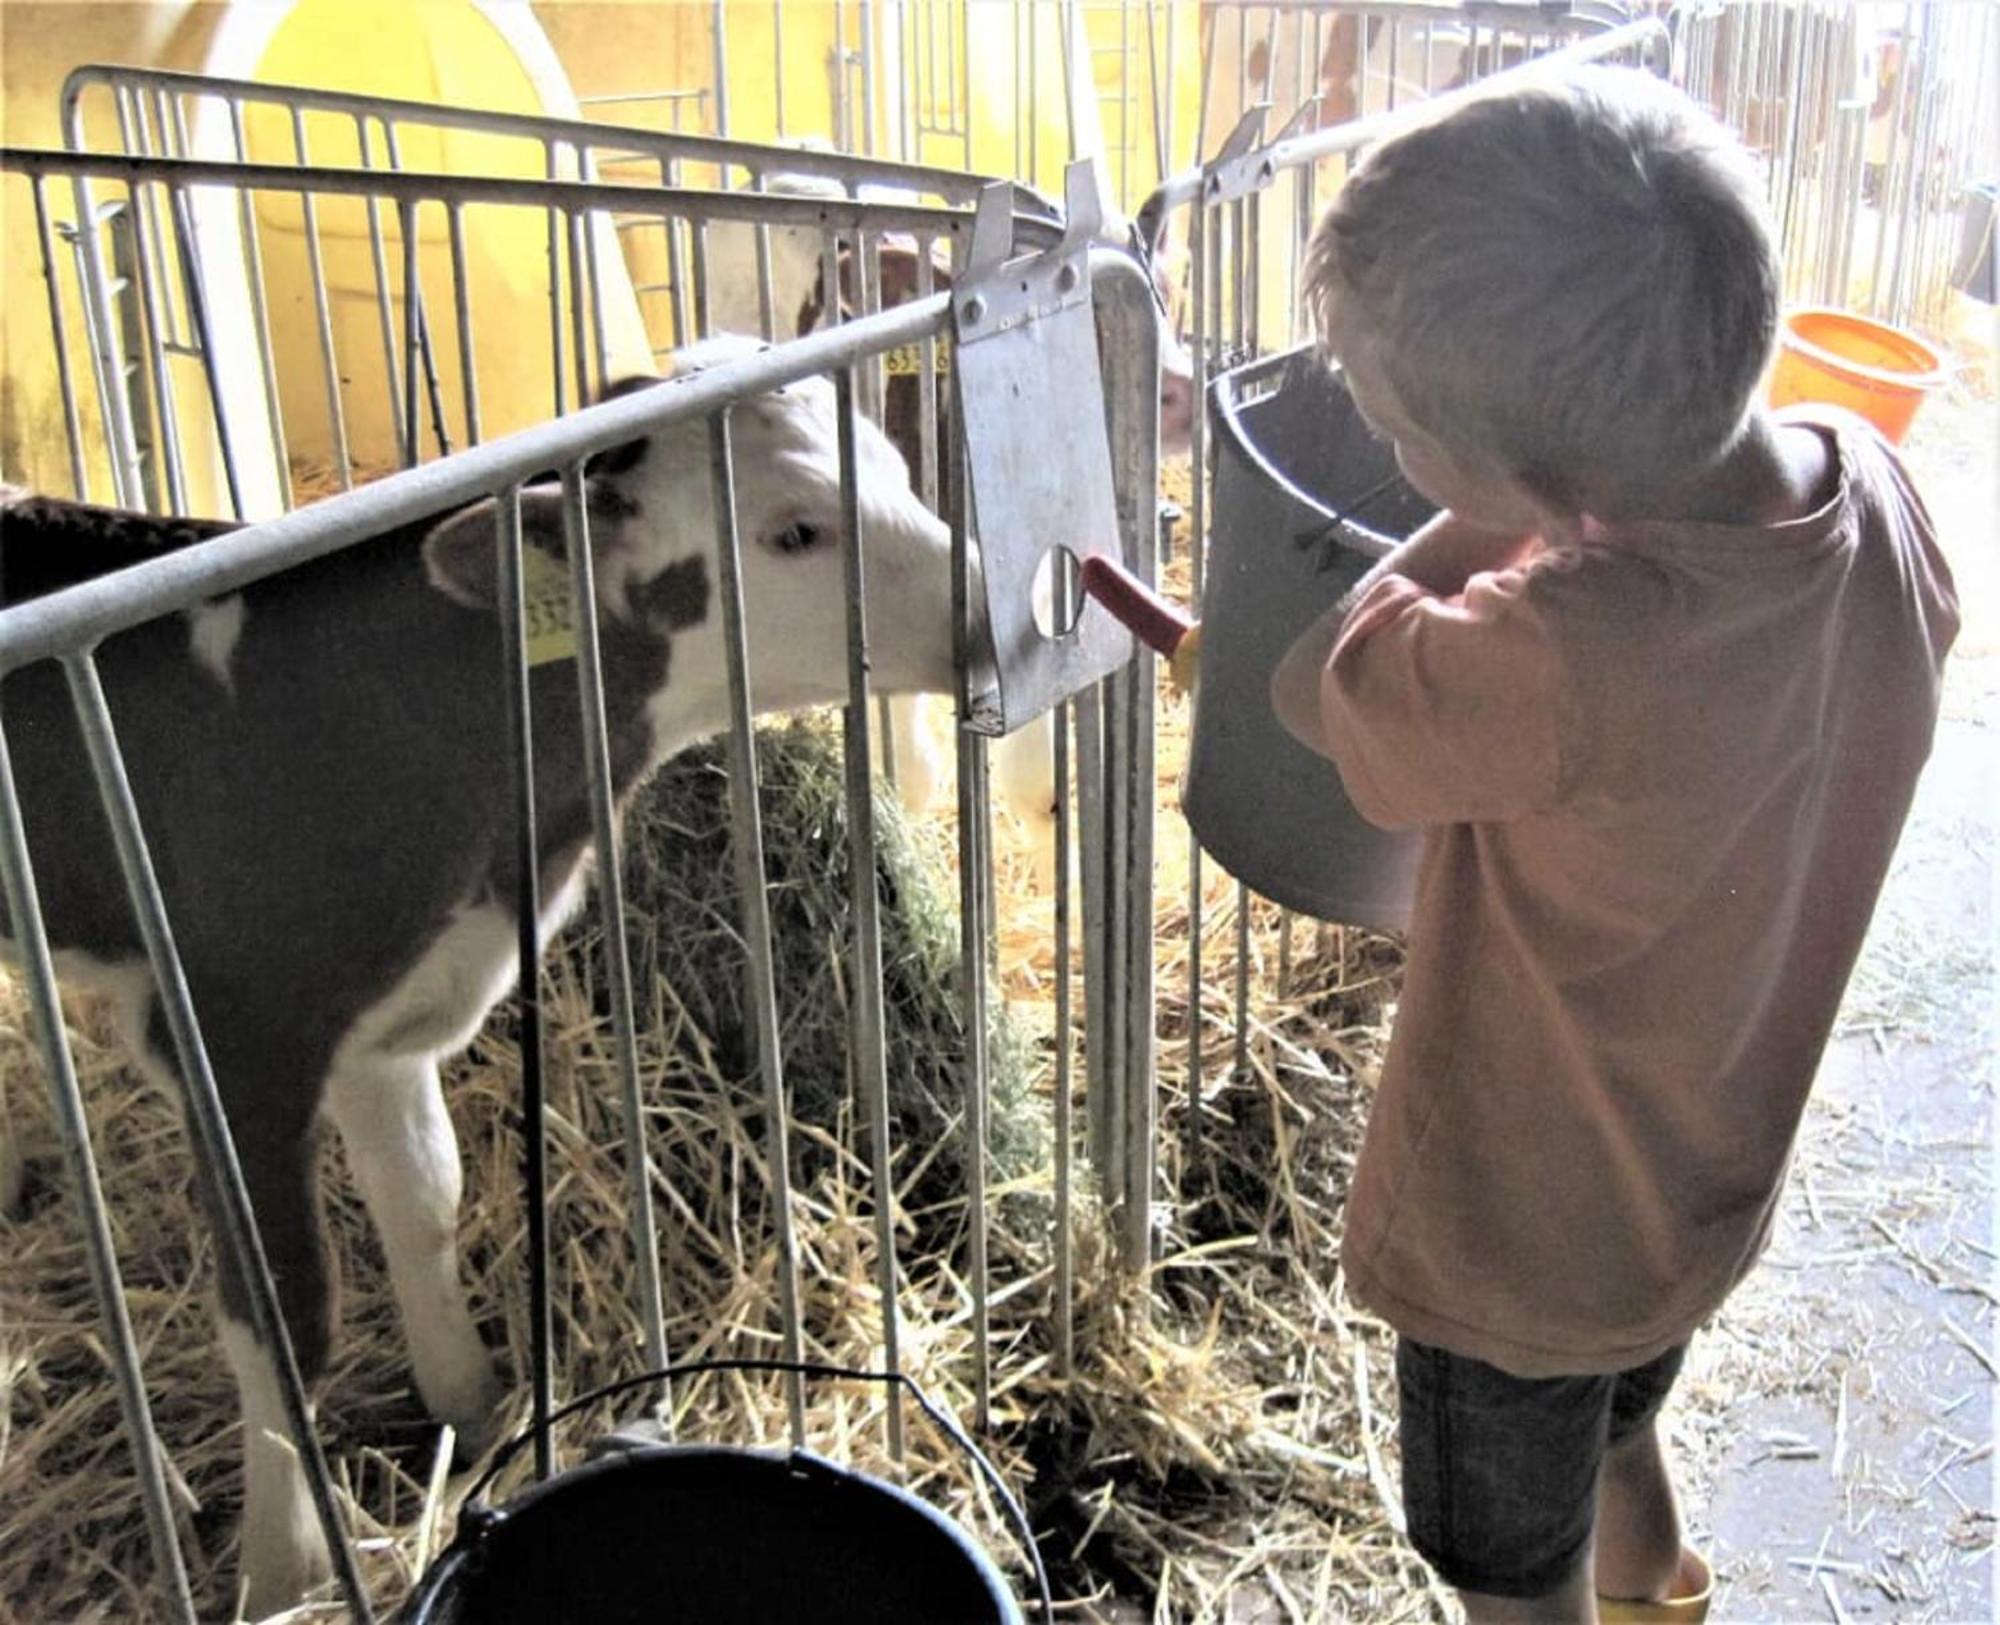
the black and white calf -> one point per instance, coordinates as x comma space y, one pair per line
320, 763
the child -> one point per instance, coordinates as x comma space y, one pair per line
1658, 683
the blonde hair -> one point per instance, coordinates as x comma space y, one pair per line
1573, 279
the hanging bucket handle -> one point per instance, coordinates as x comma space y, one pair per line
1017, 1517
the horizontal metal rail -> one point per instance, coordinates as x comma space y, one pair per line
418, 186
1296, 152
760, 161
84, 615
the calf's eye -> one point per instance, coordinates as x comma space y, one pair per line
797, 538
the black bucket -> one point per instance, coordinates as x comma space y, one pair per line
715, 1536
712, 1535
1305, 500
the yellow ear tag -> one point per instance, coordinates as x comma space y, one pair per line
907, 360
549, 619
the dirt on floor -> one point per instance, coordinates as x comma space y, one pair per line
1835, 1426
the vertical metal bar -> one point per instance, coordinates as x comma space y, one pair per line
1241, 1058
135, 128
719, 33
413, 299
961, 75
406, 215
1242, 62
927, 387
195, 281
747, 838
1065, 1131
594, 279
260, 312
1066, 51
534, 1114
558, 343
218, 1150
579, 305
1199, 254
1132, 413
1136, 1048
1857, 165
1892, 166
24, 910
841, 137
906, 96
1739, 58
871, 1059
767, 299
468, 355
121, 439
867, 21
972, 930
1922, 112
675, 227
1162, 105
1102, 1007
1125, 99
153, 307
778, 65
384, 305
79, 475
336, 412
611, 900
1034, 97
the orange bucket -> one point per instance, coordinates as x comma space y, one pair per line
1866, 366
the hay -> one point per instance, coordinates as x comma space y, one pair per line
1218, 1452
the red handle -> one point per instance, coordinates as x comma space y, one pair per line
1150, 618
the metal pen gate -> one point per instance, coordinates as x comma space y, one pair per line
174, 290
1876, 126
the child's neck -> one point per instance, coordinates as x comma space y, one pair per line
1774, 473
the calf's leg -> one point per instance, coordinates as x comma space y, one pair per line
284, 1551
390, 1113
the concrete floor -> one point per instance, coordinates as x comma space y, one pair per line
1836, 1424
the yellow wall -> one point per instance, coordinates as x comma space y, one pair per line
446, 50
40, 41
445, 53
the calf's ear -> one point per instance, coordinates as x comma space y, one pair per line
619, 459
461, 551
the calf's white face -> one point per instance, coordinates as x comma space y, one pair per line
789, 530
654, 552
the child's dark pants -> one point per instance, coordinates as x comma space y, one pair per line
1500, 1472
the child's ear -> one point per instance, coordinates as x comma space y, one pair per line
461, 551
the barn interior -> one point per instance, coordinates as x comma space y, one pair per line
1070, 1108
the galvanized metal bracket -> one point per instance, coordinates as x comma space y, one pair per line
1030, 397
1243, 164
1296, 124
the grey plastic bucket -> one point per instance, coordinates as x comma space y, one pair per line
1292, 454
712, 1536
1975, 266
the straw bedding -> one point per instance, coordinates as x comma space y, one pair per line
1219, 1452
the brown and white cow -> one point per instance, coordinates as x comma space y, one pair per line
321, 765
